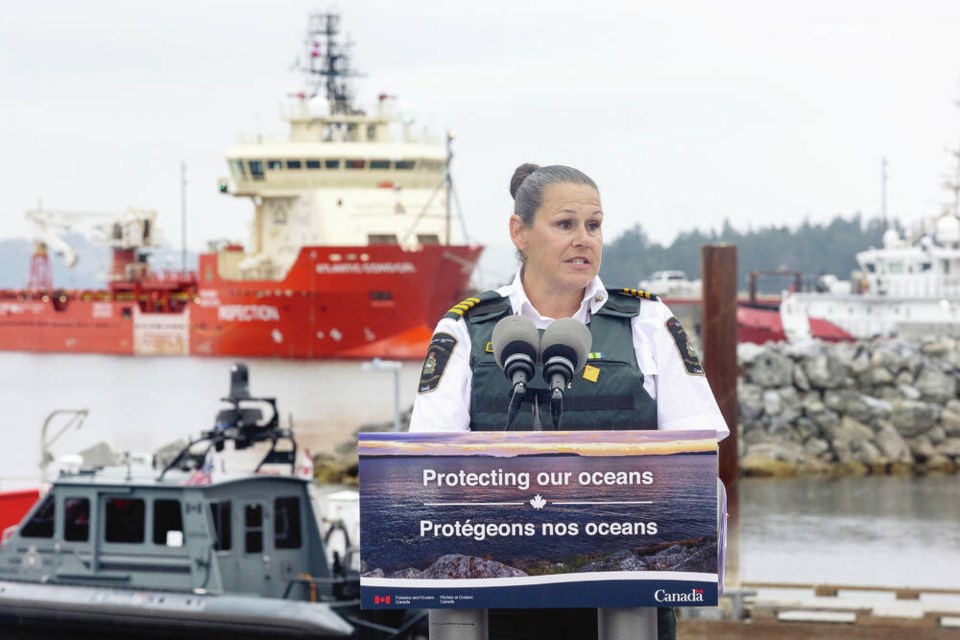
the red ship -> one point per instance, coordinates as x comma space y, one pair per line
352, 252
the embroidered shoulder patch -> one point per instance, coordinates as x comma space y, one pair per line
690, 360
438, 355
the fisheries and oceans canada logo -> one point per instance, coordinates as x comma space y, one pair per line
381, 599
694, 595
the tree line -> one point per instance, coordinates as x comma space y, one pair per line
812, 249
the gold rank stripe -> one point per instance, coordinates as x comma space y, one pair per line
639, 293
462, 307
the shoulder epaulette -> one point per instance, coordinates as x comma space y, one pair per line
460, 309
625, 302
636, 293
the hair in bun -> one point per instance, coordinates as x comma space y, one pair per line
519, 175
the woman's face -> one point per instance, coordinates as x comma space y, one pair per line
564, 243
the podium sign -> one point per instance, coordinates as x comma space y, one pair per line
533, 519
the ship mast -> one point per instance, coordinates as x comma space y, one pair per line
327, 63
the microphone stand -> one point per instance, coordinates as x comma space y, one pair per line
523, 393
556, 407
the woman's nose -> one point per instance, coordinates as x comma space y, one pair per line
582, 237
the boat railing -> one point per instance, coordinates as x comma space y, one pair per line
331, 589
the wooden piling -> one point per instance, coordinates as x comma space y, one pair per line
718, 267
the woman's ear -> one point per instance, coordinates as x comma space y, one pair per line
518, 233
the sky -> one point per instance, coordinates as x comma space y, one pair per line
686, 114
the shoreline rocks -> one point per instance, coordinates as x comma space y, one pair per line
870, 407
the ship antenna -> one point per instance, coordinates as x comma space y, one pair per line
883, 190
327, 63
183, 219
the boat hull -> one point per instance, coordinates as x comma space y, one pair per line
334, 302
138, 613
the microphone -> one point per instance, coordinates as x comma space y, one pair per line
563, 350
516, 347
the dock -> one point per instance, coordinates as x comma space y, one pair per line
789, 611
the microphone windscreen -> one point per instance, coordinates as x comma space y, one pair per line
515, 334
569, 338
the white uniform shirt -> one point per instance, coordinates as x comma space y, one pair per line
684, 400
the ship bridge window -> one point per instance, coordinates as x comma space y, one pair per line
331, 164
220, 516
286, 523
895, 267
313, 164
382, 238
294, 164
432, 165
379, 164
871, 267
405, 165
167, 517
40, 524
253, 519
275, 165
256, 169
236, 168
356, 164
125, 520
76, 519
926, 266
428, 238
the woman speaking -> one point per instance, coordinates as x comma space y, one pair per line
641, 372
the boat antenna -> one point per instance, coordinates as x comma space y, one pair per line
956, 183
326, 62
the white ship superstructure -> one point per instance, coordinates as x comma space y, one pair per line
905, 288
340, 178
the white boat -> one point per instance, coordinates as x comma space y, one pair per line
671, 284
908, 287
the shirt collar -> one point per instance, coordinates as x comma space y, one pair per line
594, 297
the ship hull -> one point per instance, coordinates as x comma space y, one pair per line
838, 317
333, 302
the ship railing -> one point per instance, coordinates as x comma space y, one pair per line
174, 275
262, 138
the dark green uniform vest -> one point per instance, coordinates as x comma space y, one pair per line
616, 400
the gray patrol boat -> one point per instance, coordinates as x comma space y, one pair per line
187, 551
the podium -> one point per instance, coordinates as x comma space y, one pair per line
619, 521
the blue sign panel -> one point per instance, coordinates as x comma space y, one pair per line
538, 519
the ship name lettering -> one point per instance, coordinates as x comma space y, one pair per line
248, 313
365, 267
